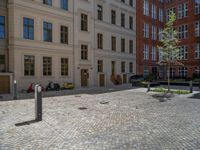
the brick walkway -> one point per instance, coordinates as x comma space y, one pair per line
132, 119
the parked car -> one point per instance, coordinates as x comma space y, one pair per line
135, 79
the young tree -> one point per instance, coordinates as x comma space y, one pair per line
169, 49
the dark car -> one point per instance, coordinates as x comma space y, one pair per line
136, 79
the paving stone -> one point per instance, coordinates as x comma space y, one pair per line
133, 119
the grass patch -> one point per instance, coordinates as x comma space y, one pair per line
164, 90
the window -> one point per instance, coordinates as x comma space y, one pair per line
28, 28
172, 72
131, 2
2, 60
64, 4
113, 43
154, 32
183, 53
197, 70
100, 65
29, 65
161, 14
122, 20
169, 12
130, 67
99, 12
182, 10
64, 34
123, 1
123, 45
146, 7
146, 52
47, 32
183, 31
84, 52
84, 22
197, 51
154, 11
160, 33
183, 72
131, 22
153, 53
113, 67
2, 63
131, 46
2, 27
113, 17
100, 41
197, 8
123, 65
197, 28
64, 66
47, 2
47, 66
146, 30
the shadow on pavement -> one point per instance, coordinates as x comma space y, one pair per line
26, 123
196, 96
163, 97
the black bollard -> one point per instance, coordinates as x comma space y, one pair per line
38, 103
191, 87
148, 87
15, 90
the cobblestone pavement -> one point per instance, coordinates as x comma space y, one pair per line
133, 119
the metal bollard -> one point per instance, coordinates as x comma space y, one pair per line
191, 87
38, 103
148, 87
15, 90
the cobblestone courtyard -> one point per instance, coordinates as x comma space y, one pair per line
133, 119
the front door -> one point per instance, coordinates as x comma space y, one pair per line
124, 78
4, 84
101, 80
84, 77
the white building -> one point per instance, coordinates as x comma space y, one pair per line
86, 42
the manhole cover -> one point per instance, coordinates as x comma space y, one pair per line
77, 95
104, 102
82, 108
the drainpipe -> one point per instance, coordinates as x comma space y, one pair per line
7, 36
73, 46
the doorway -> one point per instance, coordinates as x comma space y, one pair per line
84, 77
101, 80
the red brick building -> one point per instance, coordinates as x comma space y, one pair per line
151, 17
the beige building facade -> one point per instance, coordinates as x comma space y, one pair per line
84, 42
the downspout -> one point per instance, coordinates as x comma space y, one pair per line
73, 43
7, 36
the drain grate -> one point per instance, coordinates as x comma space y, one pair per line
82, 108
104, 102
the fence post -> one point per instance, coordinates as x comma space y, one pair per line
191, 87
148, 87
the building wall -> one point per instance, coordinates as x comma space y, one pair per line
190, 63
35, 9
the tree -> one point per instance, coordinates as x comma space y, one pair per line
169, 49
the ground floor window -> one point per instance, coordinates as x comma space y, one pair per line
47, 66
29, 65
197, 70
130, 67
64, 66
183, 72
2, 62
172, 72
100, 65
146, 72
